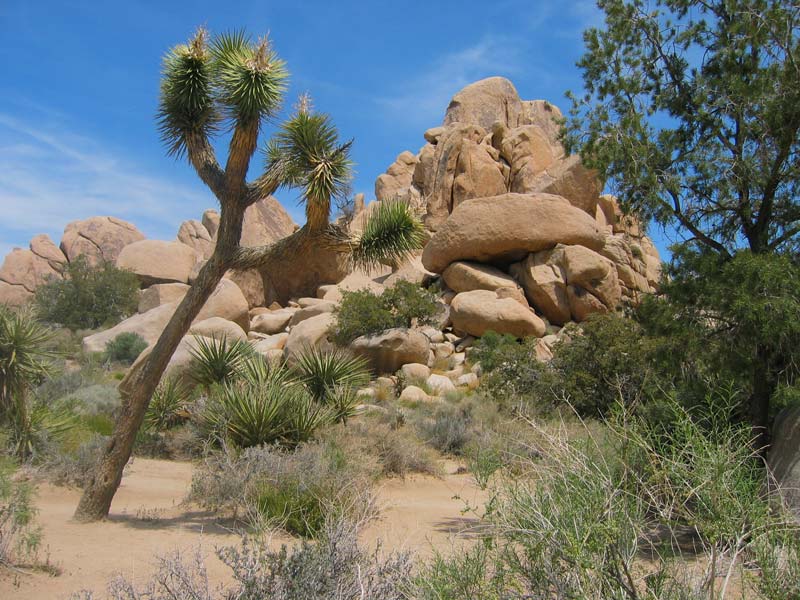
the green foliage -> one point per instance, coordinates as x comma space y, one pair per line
88, 297
390, 233
333, 378
19, 537
447, 430
125, 348
512, 375
692, 112
168, 405
364, 313
218, 361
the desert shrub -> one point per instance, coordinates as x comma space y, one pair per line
608, 359
464, 575
336, 567
125, 348
513, 376
75, 468
447, 430
92, 400
88, 297
295, 489
19, 537
168, 405
321, 371
364, 313
218, 361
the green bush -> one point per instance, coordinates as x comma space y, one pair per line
218, 361
19, 537
125, 348
88, 297
167, 407
364, 313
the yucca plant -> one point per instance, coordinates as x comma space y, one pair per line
324, 370
168, 406
218, 361
342, 401
234, 85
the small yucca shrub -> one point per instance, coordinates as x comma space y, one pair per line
168, 405
218, 361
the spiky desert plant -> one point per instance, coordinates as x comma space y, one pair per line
217, 361
235, 85
168, 406
323, 370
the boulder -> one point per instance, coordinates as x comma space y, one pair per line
413, 394
157, 261
43, 247
570, 179
311, 333
415, 372
548, 118
528, 151
272, 322
98, 239
14, 295
149, 325
195, 235
218, 328
210, 221
480, 311
180, 363
396, 182
161, 293
485, 102
594, 273
312, 310
784, 457
357, 280
464, 276
265, 222
476, 175
545, 284
272, 342
252, 285
507, 228
228, 302
468, 380
26, 270
393, 348
440, 385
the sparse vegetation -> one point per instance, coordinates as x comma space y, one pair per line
125, 348
89, 296
363, 312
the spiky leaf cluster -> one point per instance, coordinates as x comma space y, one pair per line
205, 88
309, 155
390, 233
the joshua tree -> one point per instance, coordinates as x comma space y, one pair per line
235, 85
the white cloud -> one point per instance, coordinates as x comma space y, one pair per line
52, 175
421, 101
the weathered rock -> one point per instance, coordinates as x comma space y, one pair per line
265, 222
26, 270
149, 325
180, 363
98, 239
210, 221
507, 228
545, 284
228, 302
410, 270
272, 342
14, 295
43, 247
395, 183
476, 174
594, 273
218, 328
414, 394
784, 457
157, 261
433, 134
480, 311
311, 333
161, 293
252, 285
393, 348
312, 310
529, 152
195, 235
440, 385
463, 276
272, 322
485, 102
582, 303
468, 380
357, 280
547, 117
570, 179
415, 372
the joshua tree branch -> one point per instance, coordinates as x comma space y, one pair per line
204, 161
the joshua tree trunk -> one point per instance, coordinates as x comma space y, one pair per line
136, 392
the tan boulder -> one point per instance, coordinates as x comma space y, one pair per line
43, 247
480, 311
228, 302
485, 102
149, 325
210, 221
545, 284
252, 285
414, 394
218, 328
594, 273
23, 268
265, 222
311, 333
440, 385
415, 372
582, 303
547, 117
476, 175
357, 280
395, 183
161, 293
529, 152
464, 276
468, 380
272, 322
14, 295
507, 228
570, 179
157, 261
180, 363
98, 239
195, 235
312, 310
271, 342
393, 348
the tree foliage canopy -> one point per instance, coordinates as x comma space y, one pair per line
692, 111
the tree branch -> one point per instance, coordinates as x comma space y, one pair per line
204, 161
243, 145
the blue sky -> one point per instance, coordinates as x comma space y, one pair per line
79, 90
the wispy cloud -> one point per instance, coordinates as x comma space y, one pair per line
52, 175
421, 101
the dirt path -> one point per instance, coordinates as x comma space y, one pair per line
148, 519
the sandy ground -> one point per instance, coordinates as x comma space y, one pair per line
148, 518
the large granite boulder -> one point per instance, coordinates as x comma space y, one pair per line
98, 239
393, 348
265, 222
218, 328
311, 333
157, 261
23, 271
506, 228
486, 102
464, 276
161, 293
480, 311
195, 235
